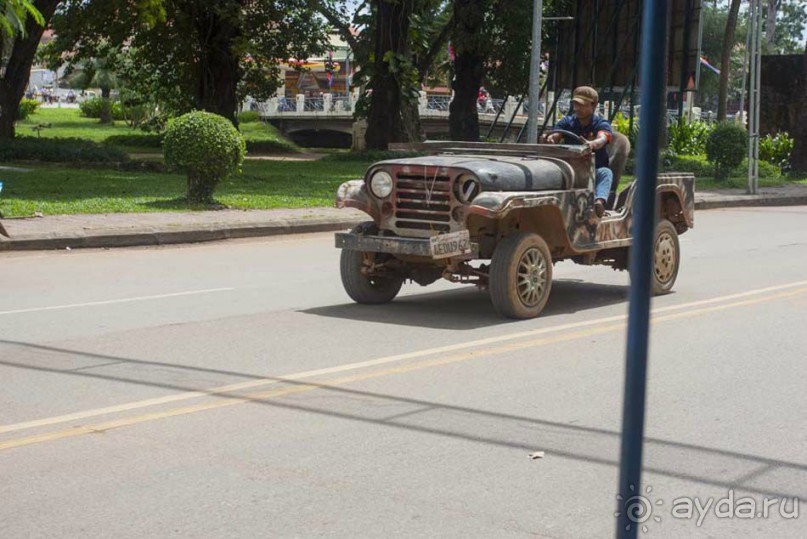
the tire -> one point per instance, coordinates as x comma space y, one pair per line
362, 289
527, 255
666, 258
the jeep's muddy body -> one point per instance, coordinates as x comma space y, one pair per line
499, 216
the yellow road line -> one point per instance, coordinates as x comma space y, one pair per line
223, 390
454, 358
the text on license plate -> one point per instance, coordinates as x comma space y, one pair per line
453, 244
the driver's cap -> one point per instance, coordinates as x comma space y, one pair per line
585, 95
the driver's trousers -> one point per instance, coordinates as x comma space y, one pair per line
602, 183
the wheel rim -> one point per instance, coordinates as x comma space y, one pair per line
665, 257
531, 277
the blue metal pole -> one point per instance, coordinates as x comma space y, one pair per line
654, 33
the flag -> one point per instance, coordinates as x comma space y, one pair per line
710, 66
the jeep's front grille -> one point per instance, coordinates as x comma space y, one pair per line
423, 202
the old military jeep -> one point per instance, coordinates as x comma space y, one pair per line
498, 216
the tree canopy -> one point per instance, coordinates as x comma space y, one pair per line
192, 53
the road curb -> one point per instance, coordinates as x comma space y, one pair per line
173, 236
217, 232
739, 201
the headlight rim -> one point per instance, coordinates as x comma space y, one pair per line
460, 192
373, 189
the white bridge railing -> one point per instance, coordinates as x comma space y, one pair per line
329, 106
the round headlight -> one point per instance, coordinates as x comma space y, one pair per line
381, 184
467, 188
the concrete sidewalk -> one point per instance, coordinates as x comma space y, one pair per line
130, 229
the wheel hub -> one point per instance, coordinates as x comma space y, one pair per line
531, 277
664, 266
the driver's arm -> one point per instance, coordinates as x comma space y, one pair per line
602, 138
552, 138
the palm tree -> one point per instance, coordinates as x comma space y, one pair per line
96, 73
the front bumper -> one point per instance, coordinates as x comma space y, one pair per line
393, 245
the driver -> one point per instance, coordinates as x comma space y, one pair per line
586, 123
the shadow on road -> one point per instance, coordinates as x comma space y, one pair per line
469, 308
703, 465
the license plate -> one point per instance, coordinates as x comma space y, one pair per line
453, 244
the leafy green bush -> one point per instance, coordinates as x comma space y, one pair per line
622, 124
205, 146
26, 108
92, 108
59, 150
726, 147
777, 150
767, 170
689, 138
249, 116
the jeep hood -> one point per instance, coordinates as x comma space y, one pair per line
495, 173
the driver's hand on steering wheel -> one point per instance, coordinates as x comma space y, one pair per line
548, 138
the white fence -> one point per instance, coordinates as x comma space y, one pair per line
343, 106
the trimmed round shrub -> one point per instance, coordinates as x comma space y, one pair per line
726, 148
207, 147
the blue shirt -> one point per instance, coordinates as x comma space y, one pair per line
589, 132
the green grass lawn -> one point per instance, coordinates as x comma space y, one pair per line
261, 137
262, 185
62, 189
69, 123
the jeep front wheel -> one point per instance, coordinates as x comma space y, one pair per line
520, 275
363, 288
666, 258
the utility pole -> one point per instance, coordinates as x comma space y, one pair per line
535, 73
755, 63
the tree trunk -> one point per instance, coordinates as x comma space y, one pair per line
725, 59
770, 24
218, 71
463, 117
385, 121
200, 189
798, 160
106, 106
18, 67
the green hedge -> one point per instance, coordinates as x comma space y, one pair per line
59, 150
269, 146
371, 156
143, 140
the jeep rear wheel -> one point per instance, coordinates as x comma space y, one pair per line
370, 290
520, 276
666, 258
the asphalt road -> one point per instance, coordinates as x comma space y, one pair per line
232, 390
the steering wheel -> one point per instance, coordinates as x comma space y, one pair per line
580, 139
